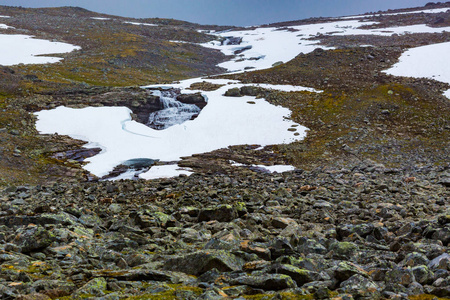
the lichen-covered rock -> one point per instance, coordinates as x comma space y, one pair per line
94, 287
202, 261
34, 238
266, 282
221, 213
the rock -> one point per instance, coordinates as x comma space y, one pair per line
56, 287
231, 40
202, 261
196, 99
343, 250
300, 276
440, 262
443, 235
414, 259
34, 296
221, 213
250, 90
361, 287
423, 274
266, 282
345, 270
402, 276
96, 287
280, 222
307, 246
33, 239
234, 92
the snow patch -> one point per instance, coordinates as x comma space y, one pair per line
430, 61
16, 49
166, 171
100, 18
225, 121
144, 24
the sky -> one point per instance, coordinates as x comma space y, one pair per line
226, 12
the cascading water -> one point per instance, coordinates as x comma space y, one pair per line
173, 111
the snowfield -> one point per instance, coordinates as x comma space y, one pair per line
23, 49
225, 121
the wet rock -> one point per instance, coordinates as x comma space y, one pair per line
196, 99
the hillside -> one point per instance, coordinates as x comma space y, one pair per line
304, 168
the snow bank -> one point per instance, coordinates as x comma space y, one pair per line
430, 61
16, 49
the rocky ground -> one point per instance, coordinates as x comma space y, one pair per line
365, 215
365, 231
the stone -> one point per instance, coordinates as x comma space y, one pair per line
361, 287
343, 250
221, 213
300, 276
196, 99
96, 287
266, 282
344, 270
423, 274
33, 239
202, 261
440, 262
308, 246
234, 92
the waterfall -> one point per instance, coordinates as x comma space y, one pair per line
173, 111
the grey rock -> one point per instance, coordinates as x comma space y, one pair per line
266, 282
33, 239
202, 261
